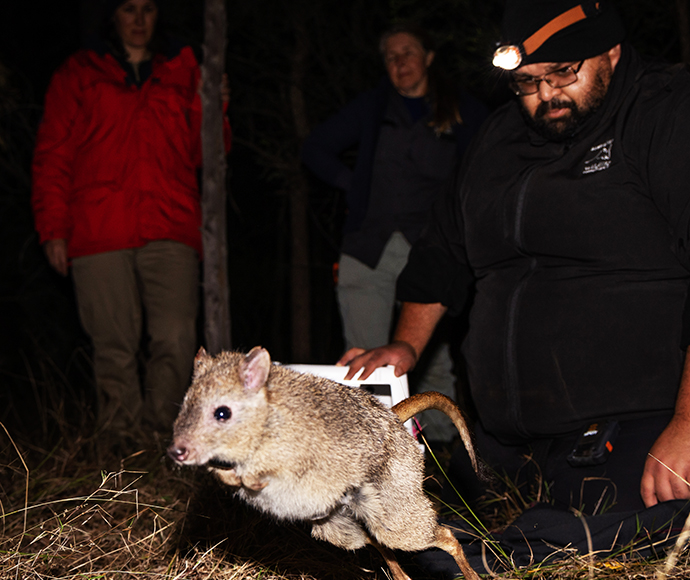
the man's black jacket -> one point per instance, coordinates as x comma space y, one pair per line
579, 254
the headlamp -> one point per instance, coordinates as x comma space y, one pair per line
507, 57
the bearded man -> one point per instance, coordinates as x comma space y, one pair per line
570, 216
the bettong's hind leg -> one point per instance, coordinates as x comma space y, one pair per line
449, 543
393, 565
445, 540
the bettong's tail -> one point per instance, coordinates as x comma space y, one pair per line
408, 408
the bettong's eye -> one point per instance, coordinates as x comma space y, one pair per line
222, 413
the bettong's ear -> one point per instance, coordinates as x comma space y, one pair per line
202, 361
254, 369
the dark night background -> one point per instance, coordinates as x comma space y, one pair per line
44, 356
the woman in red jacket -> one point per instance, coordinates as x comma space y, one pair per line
115, 191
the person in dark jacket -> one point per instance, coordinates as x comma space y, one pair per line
115, 192
409, 133
571, 214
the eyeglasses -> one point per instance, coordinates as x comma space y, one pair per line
526, 85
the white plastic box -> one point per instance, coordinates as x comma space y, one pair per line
382, 383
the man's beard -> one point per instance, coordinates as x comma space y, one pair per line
564, 127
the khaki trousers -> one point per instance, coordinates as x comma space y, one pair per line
118, 293
366, 297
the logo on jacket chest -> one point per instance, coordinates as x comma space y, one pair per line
600, 158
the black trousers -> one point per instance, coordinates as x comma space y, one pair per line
541, 472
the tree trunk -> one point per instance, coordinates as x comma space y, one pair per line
213, 204
684, 29
299, 223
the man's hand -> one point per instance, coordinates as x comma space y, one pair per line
670, 453
399, 354
56, 252
668, 463
416, 324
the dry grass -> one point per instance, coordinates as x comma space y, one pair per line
140, 518
75, 512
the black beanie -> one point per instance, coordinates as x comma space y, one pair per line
596, 27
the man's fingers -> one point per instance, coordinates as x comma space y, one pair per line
664, 488
400, 370
365, 362
660, 484
679, 486
354, 358
399, 354
355, 365
647, 486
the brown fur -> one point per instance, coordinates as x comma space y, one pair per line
301, 447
